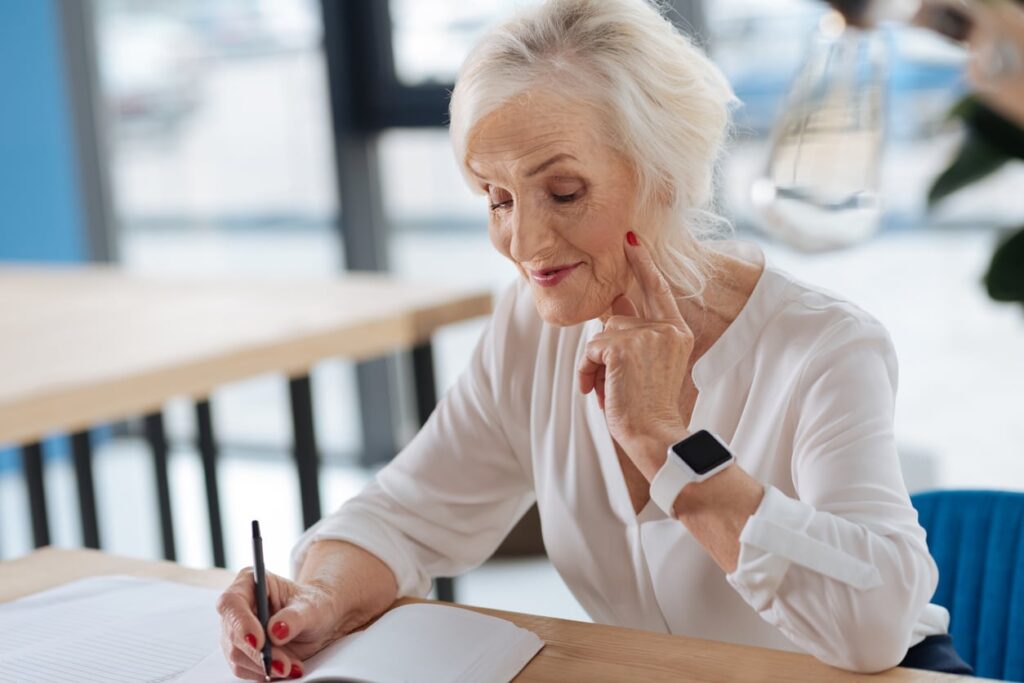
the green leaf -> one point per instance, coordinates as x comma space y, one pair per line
998, 131
976, 159
1005, 277
963, 107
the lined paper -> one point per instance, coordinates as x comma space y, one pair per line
115, 629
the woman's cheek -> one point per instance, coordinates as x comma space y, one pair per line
607, 239
500, 237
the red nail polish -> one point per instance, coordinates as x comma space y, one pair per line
280, 630
631, 238
278, 667
296, 672
251, 639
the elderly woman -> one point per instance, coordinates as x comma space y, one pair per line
709, 440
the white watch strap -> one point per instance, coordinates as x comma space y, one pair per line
669, 481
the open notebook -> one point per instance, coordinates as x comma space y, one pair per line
107, 629
415, 643
119, 629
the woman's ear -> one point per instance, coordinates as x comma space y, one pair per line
664, 195
653, 212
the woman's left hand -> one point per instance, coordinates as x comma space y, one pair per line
638, 364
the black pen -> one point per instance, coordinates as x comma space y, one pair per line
262, 608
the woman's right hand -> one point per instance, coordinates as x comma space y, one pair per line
304, 619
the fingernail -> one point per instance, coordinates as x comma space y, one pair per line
278, 667
631, 238
251, 639
280, 630
296, 672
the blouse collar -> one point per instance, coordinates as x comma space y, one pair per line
741, 334
738, 338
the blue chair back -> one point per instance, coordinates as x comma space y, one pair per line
977, 540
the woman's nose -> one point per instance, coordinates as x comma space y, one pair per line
530, 234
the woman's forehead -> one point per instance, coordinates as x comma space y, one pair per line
521, 131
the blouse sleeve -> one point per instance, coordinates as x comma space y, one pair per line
445, 503
842, 570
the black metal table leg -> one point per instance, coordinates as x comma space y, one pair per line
32, 461
426, 401
306, 458
423, 378
157, 438
208, 451
81, 453
445, 586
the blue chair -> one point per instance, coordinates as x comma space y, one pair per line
977, 540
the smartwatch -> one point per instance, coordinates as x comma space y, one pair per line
698, 457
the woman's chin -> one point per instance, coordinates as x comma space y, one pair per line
564, 310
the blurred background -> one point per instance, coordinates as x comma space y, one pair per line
292, 137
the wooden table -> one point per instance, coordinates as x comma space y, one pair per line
575, 651
82, 346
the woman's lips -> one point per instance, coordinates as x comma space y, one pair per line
549, 277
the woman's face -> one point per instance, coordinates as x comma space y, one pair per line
561, 202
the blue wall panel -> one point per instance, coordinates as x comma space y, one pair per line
40, 206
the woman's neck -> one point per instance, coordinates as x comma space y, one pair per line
728, 289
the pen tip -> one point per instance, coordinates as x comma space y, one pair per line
255, 528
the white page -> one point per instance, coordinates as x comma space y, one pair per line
415, 643
107, 629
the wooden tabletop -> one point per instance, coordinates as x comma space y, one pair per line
82, 345
574, 651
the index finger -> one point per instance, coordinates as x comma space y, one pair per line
659, 304
236, 607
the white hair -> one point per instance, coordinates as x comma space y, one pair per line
666, 106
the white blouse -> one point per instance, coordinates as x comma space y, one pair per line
801, 386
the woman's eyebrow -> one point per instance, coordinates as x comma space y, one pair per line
540, 167
535, 170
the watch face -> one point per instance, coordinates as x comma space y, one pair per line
702, 452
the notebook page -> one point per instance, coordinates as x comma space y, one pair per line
119, 629
504, 654
416, 643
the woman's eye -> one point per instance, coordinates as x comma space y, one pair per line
498, 198
564, 198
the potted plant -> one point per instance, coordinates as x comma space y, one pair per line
990, 141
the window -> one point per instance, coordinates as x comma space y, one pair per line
221, 159
219, 132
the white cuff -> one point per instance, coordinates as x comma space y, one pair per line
775, 537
